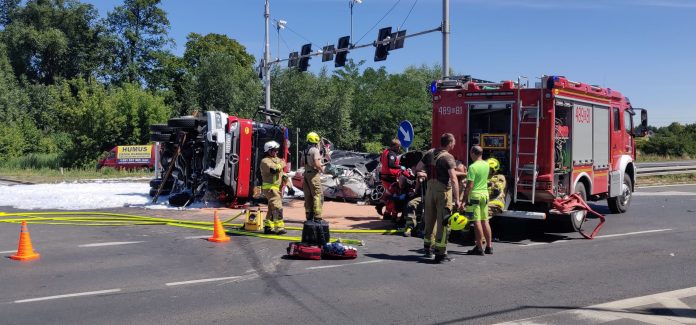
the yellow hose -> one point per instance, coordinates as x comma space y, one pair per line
115, 219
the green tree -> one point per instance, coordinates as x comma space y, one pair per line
222, 75
7, 10
49, 40
141, 29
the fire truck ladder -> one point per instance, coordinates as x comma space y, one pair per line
527, 111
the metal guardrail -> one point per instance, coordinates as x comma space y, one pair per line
665, 170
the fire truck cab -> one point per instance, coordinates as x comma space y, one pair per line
554, 139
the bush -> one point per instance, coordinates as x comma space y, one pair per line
34, 161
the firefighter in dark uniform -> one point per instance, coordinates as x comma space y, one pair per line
311, 186
441, 197
273, 178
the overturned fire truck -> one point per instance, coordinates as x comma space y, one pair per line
213, 156
552, 140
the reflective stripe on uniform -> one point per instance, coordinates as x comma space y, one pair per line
270, 186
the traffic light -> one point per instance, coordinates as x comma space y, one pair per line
343, 44
304, 61
397, 40
382, 50
292, 60
328, 53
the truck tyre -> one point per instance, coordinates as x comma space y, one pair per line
620, 203
186, 122
155, 183
153, 192
162, 137
575, 220
162, 128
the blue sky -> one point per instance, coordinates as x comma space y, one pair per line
644, 48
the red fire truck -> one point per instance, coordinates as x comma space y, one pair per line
555, 139
214, 154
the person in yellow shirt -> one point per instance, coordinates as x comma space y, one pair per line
476, 193
273, 178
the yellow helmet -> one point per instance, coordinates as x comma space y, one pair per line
494, 164
313, 137
457, 221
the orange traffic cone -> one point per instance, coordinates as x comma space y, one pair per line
219, 235
25, 251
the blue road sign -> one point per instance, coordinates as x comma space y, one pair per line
405, 133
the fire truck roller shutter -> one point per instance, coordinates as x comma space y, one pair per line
600, 149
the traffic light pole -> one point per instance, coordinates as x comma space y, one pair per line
445, 39
373, 44
266, 60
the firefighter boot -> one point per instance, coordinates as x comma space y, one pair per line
442, 258
268, 226
280, 224
428, 251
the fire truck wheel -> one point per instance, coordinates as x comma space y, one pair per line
162, 137
620, 203
576, 219
153, 192
187, 122
162, 128
155, 183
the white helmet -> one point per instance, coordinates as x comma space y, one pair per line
270, 145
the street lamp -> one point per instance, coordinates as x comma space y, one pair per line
351, 3
280, 24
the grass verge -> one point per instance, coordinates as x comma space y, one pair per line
666, 179
658, 158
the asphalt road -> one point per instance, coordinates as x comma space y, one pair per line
157, 274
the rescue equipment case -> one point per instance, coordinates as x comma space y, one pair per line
304, 251
316, 232
338, 251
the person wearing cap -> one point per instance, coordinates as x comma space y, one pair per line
311, 186
476, 204
273, 180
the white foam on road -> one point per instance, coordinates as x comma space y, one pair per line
115, 243
84, 196
70, 295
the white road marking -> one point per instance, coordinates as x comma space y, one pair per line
624, 309
70, 295
8, 252
340, 265
201, 281
602, 236
113, 243
196, 237
666, 193
634, 233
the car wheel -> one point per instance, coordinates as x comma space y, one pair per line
162, 137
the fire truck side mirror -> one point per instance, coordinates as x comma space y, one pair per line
644, 118
642, 129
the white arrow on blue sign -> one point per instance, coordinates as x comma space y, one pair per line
405, 133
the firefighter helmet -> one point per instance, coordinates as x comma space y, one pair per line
457, 221
313, 137
270, 145
494, 164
